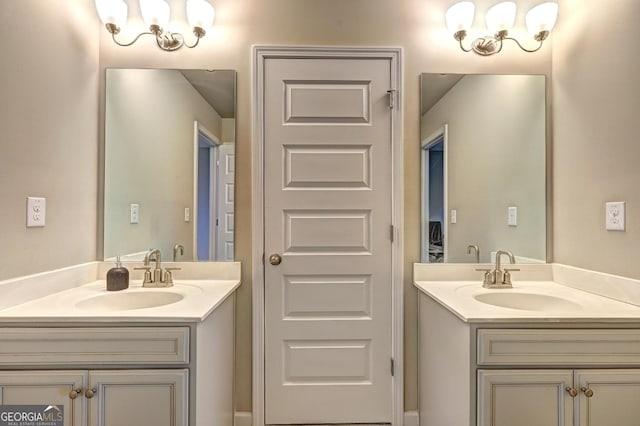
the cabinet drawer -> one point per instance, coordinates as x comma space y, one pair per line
94, 345
558, 347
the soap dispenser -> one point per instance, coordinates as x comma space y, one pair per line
118, 277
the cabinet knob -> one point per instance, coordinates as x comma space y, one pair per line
572, 391
587, 392
89, 393
74, 393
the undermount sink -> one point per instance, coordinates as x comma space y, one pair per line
526, 301
128, 300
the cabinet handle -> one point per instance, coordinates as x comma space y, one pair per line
74, 393
89, 393
587, 392
572, 391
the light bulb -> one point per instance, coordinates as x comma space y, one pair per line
459, 17
501, 17
200, 13
542, 18
112, 12
155, 12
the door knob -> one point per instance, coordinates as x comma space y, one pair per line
275, 259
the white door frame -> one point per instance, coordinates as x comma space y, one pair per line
198, 129
442, 132
259, 55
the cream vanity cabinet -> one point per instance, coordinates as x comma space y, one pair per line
526, 373
142, 374
103, 397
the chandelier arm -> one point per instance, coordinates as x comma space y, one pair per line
501, 44
523, 48
194, 44
113, 36
462, 47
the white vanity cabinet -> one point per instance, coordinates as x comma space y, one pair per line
113, 373
559, 397
526, 373
103, 397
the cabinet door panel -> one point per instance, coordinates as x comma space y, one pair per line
524, 398
615, 399
45, 388
139, 397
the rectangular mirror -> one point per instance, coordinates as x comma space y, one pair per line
169, 163
483, 180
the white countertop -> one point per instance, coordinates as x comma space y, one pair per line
459, 298
576, 296
70, 295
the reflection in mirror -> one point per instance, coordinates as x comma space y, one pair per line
483, 180
169, 164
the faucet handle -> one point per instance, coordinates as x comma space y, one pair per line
147, 274
488, 276
506, 278
168, 275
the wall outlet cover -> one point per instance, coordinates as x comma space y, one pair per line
454, 216
36, 212
615, 216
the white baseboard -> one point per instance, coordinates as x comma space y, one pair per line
243, 418
411, 418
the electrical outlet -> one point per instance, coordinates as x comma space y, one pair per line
615, 212
134, 213
512, 216
36, 212
454, 216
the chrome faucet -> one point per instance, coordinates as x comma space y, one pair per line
178, 248
498, 277
159, 277
476, 249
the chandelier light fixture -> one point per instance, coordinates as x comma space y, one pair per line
500, 18
156, 14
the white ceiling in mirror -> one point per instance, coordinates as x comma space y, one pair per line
169, 160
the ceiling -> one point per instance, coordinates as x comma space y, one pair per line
217, 87
433, 87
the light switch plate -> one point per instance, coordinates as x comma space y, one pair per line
615, 213
187, 214
36, 212
512, 216
454, 216
134, 212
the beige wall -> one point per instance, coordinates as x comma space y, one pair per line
57, 88
149, 159
496, 159
596, 105
48, 133
415, 25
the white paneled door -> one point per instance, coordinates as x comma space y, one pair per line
328, 240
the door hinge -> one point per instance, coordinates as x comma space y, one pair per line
393, 368
392, 232
392, 98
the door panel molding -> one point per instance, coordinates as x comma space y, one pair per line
259, 55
